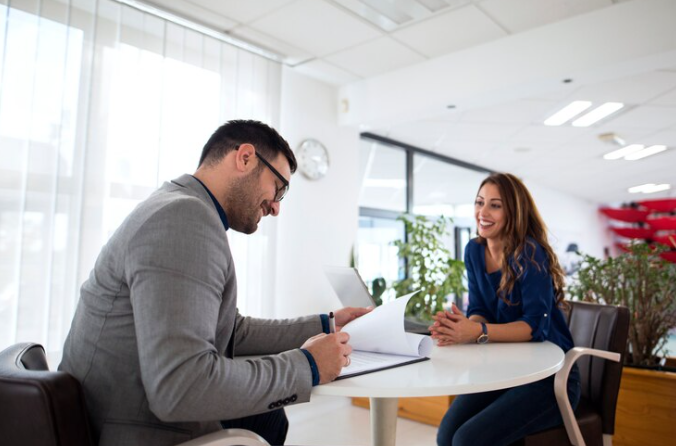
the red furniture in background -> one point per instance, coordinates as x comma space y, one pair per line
652, 221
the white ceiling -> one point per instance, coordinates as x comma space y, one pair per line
331, 41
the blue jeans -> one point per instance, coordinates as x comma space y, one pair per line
504, 416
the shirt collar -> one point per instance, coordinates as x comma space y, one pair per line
219, 208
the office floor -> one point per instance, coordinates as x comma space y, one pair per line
334, 421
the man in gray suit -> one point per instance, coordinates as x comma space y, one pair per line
157, 327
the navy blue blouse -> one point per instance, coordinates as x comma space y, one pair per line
532, 298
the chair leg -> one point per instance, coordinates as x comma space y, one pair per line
561, 393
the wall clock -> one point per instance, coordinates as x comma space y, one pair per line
313, 159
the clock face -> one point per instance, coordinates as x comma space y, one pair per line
313, 159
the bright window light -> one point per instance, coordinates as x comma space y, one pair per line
645, 152
649, 188
568, 112
597, 114
624, 151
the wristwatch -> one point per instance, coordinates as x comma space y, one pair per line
483, 337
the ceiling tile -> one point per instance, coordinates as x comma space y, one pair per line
241, 11
667, 137
390, 56
504, 159
292, 55
521, 15
668, 98
636, 90
466, 132
542, 133
452, 31
524, 112
197, 13
316, 27
647, 116
326, 72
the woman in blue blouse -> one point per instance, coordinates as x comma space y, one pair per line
515, 290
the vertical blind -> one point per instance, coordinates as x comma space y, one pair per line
99, 104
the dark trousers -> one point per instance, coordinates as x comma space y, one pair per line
272, 426
502, 417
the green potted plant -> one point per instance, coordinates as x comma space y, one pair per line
430, 267
643, 282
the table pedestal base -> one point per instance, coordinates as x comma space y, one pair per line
384, 421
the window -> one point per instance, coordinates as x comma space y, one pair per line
383, 173
397, 179
100, 104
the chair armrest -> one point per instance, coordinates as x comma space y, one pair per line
561, 389
228, 437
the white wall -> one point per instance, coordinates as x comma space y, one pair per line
571, 220
318, 221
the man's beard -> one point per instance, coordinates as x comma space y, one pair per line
244, 204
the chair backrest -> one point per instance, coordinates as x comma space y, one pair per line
601, 327
39, 407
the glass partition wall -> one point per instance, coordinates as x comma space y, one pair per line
399, 179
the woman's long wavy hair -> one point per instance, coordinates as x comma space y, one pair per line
522, 220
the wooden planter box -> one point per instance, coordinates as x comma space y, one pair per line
646, 408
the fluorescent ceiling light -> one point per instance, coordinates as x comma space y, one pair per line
597, 114
645, 152
624, 151
568, 112
649, 188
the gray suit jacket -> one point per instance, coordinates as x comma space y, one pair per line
157, 326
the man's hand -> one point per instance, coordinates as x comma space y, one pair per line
330, 352
348, 314
454, 328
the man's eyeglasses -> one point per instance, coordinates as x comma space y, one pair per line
281, 192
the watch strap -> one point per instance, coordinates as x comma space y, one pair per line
483, 337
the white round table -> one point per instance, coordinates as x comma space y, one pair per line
453, 370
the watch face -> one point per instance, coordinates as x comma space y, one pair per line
313, 159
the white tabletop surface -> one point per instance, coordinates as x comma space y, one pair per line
456, 370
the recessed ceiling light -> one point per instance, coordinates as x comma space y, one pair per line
652, 150
522, 149
649, 188
568, 112
624, 151
597, 114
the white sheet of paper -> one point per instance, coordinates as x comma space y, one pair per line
382, 331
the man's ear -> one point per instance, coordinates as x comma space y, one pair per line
244, 157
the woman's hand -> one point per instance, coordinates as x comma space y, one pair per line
454, 328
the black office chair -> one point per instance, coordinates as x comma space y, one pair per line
599, 332
43, 408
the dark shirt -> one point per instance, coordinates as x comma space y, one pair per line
219, 208
532, 298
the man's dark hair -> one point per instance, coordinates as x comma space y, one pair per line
232, 134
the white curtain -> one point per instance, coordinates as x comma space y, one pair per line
99, 104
